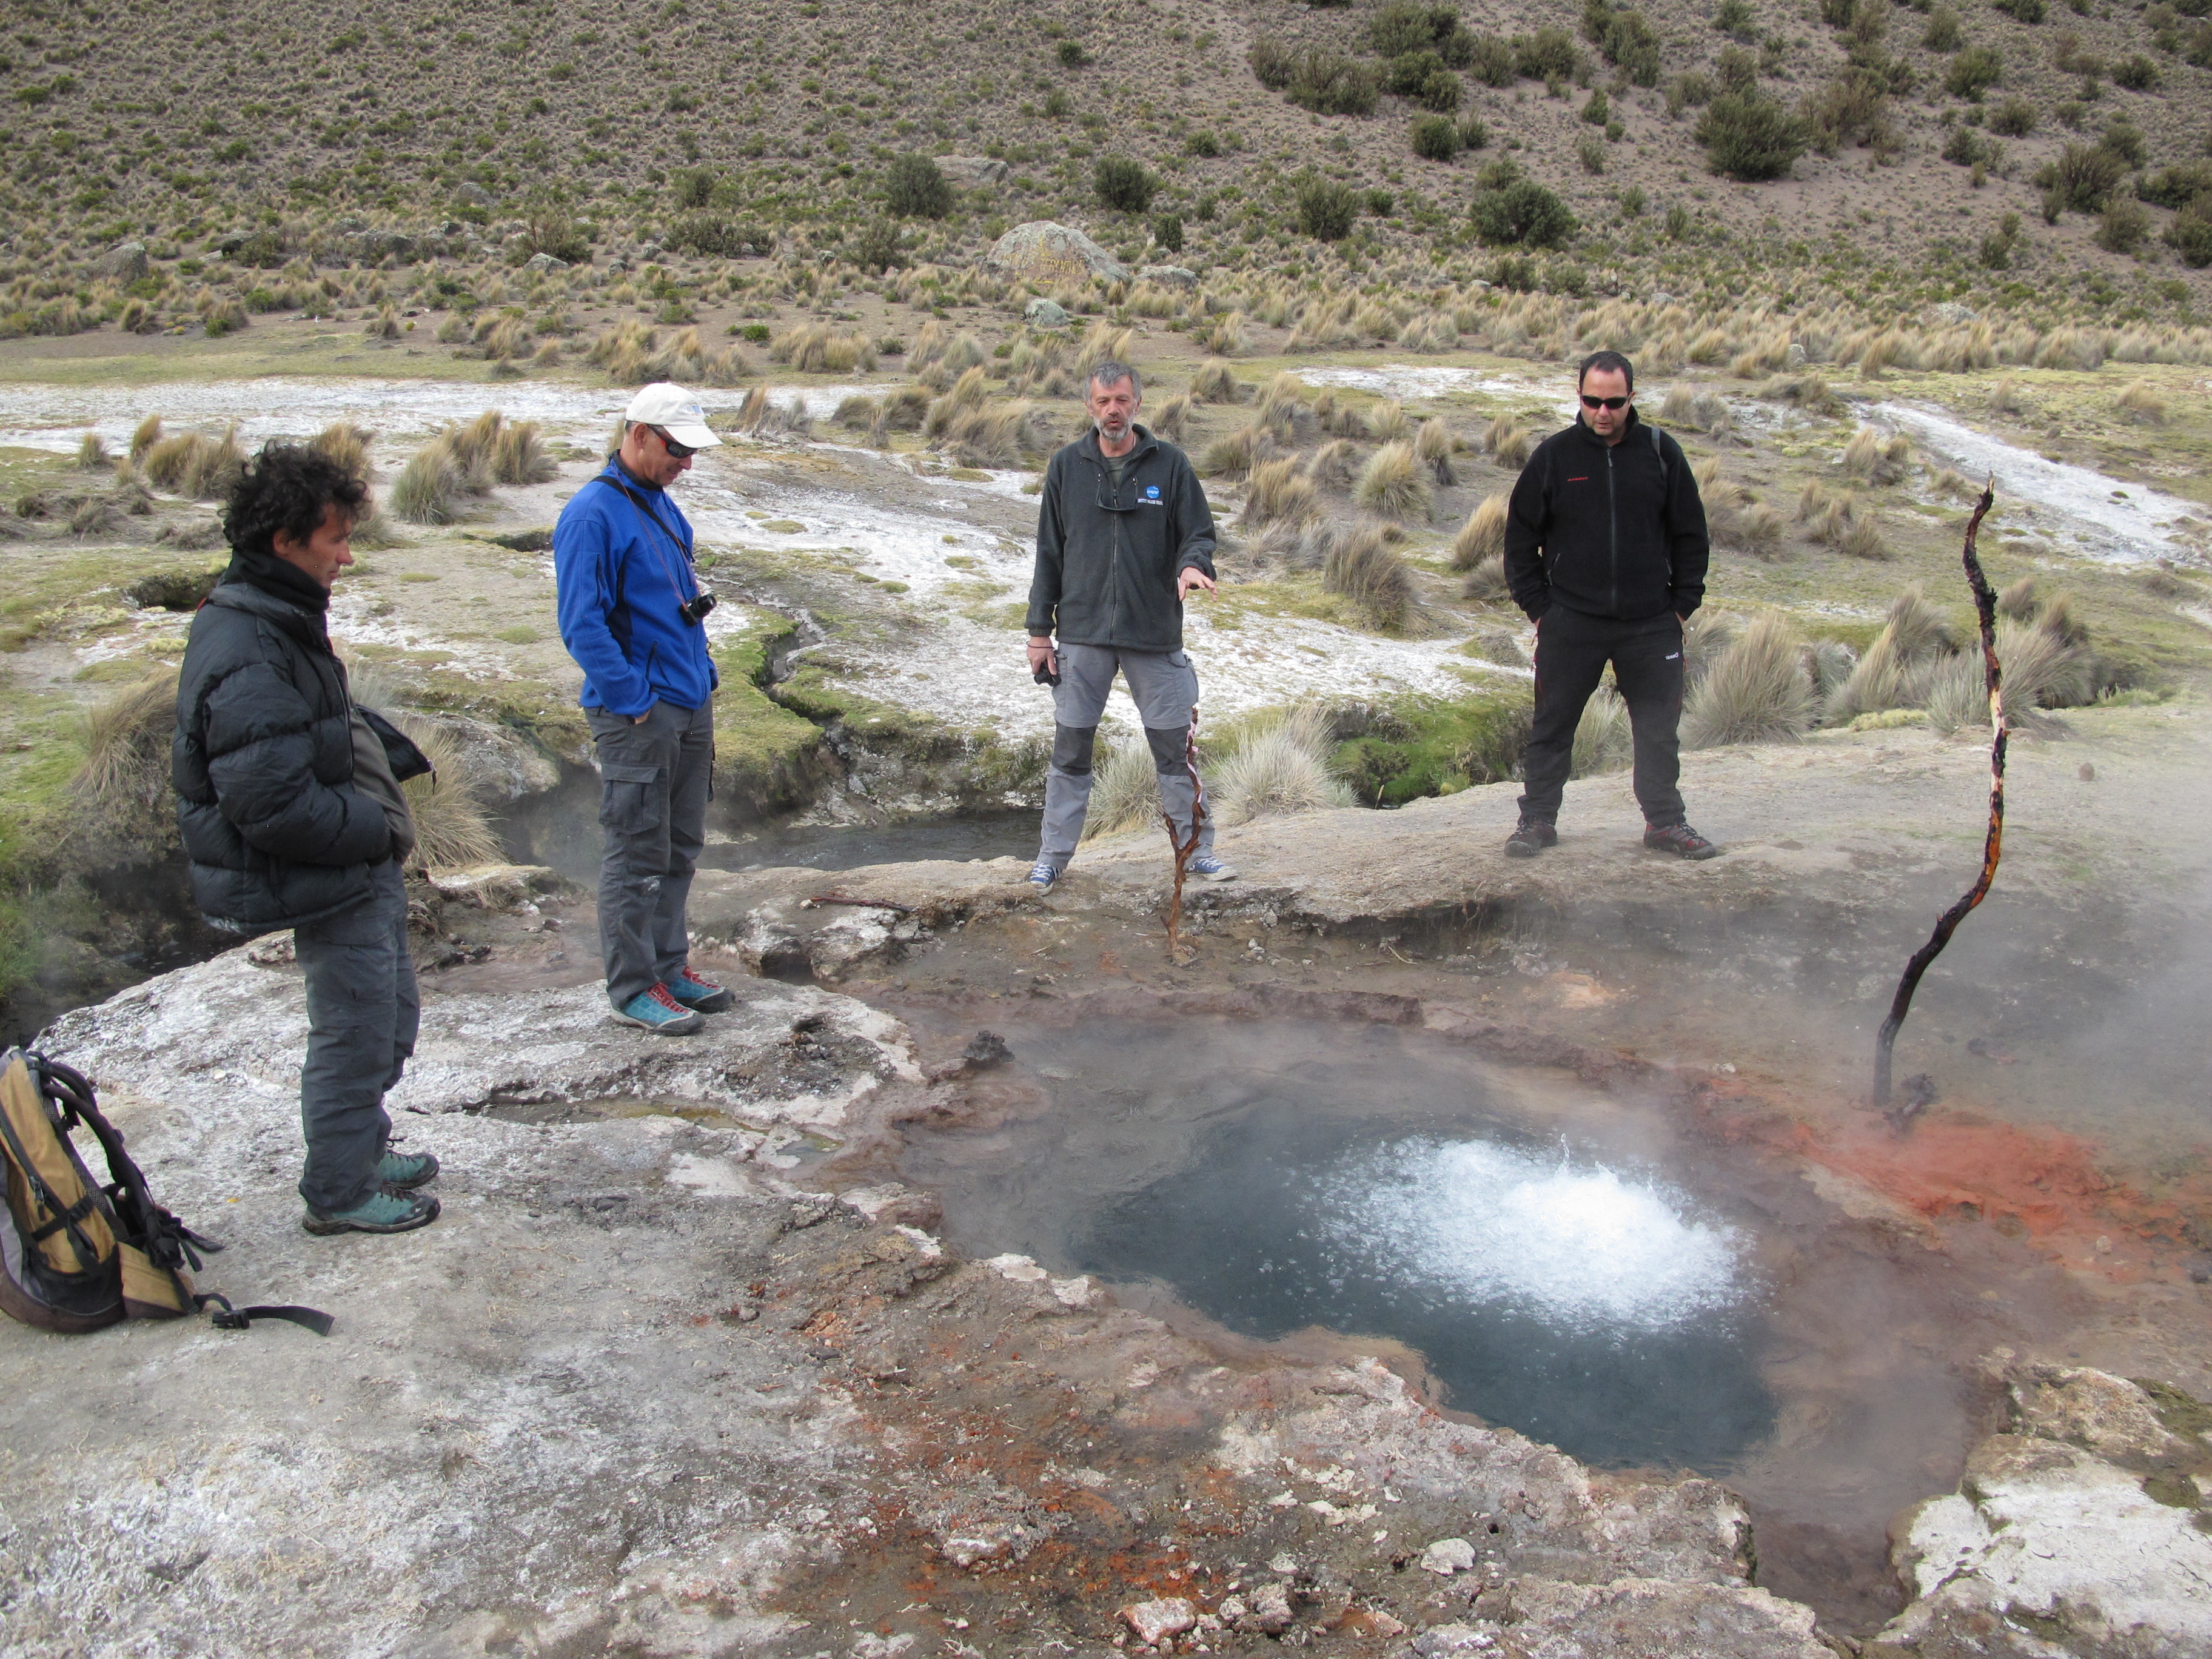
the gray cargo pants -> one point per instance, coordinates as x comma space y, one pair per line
362, 1012
1165, 687
654, 776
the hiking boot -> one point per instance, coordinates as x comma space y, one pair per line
1681, 839
699, 995
1532, 837
406, 1170
657, 1012
1042, 875
386, 1210
1211, 867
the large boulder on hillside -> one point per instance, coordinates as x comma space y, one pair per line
126, 263
970, 171
1049, 254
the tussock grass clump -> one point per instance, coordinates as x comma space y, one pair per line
1758, 690
452, 829
92, 454
1394, 485
1508, 442
1364, 567
125, 779
1285, 412
1172, 417
1279, 494
1603, 737
346, 444
936, 344
1277, 763
1434, 445
1333, 466
1228, 337
1215, 383
1125, 789
2137, 401
1103, 342
195, 465
432, 487
1388, 421
1879, 461
1809, 392
148, 434
1862, 540
1901, 664
1695, 411
819, 348
1234, 455
1485, 584
1483, 536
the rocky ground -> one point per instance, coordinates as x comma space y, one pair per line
686, 1367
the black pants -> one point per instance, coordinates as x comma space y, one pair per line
1571, 652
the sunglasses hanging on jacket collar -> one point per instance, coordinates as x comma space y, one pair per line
1589, 401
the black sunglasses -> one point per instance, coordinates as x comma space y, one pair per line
1589, 401
675, 451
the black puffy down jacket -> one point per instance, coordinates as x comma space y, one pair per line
262, 768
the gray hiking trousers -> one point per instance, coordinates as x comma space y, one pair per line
1165, 687
362, 1012
654, 776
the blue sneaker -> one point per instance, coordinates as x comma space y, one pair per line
1042, 875
701, 995
1211, 867
659, 1012
386, 1210
406, 1170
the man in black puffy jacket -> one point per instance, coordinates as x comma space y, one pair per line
291, 814
1606, 549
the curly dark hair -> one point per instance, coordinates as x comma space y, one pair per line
287, 487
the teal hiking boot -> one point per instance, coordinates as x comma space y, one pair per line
386, 1210
657, 1010
406, 1170
701, 996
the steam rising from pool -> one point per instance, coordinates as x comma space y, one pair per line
1461, 1223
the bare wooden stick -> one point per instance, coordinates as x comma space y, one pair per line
1985, 609
1183, 848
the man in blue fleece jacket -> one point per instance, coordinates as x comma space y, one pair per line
633, 617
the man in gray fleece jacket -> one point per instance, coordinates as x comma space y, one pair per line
1123, 535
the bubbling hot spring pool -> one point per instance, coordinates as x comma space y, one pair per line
1540, 1254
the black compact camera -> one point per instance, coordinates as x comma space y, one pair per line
695, 611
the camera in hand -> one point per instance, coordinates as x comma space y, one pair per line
695, 611
1047, 672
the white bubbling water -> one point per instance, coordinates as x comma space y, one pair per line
1580, 1247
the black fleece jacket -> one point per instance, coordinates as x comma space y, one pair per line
263, 758
1615, 531
1108, 558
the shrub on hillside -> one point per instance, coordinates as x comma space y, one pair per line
1625, 39
1972, 72
1325, 208
913, 188
1123, 185
716, 235
1434, 137
1490, 61
1167, 232
2013, 118
1548, 55
2190, 236
1750, 137
2081, 180
1852, 108
1522, 213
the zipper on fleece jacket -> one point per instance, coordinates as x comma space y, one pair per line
1611, 533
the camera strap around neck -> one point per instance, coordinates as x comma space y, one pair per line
637, 502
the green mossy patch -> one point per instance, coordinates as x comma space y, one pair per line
763, 752
1420, 746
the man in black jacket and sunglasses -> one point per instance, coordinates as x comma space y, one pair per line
1606, 549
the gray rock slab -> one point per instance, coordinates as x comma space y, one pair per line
1044, 252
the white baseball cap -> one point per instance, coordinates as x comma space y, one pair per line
675, 412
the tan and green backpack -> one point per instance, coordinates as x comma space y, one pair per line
76, 1256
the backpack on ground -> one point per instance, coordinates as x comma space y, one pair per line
76, 1256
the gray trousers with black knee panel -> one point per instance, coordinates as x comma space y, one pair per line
1165, 687
654, 776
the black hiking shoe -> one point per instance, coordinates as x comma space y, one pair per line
1679, 839
1533, 835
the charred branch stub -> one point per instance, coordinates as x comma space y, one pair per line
1985, 610
1183, 848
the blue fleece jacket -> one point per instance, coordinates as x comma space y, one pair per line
622, 570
